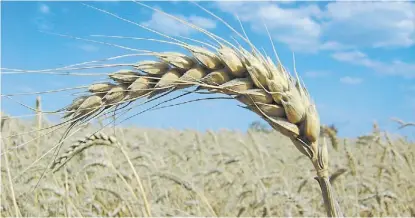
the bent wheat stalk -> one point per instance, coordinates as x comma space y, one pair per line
249, 77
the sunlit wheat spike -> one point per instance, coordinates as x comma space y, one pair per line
252, 79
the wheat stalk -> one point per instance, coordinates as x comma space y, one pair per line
39, 123
12, 188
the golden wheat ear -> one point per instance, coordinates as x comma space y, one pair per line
254, 81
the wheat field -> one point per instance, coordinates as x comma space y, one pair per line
88, 165
191, 173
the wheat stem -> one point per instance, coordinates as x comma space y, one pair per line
143, 194
330, 203
39, 123
9, 176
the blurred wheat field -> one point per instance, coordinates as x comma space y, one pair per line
191, 173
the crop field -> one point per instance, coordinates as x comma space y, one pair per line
191, 173
301, 86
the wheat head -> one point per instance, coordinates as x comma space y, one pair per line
253, 79
250, 78
79, 146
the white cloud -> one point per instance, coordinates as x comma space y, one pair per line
202, 22
370, 24
351, 80
41, 20
356, 57
170, 26
336, 26
333, 46
397, 68
296, 27
44, 9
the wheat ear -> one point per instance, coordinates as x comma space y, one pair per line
82, 144
249, 77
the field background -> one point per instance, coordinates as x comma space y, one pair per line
192, 173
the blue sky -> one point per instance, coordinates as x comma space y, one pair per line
356, 58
